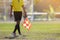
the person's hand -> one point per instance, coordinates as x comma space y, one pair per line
25, 15
10, 14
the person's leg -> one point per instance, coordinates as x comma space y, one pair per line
18, 22
18, 27
17, 16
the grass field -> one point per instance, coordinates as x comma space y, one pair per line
46, 30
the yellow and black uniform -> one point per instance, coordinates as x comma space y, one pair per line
17, 8
17, 5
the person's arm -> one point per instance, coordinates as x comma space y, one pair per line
10, 11
25, 13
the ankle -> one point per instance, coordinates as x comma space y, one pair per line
20, 34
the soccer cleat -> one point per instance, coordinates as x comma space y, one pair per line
13, 35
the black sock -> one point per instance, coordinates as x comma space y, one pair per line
19, 29
15, 28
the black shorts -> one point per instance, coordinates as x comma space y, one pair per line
17, 15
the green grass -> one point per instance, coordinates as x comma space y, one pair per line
38, 31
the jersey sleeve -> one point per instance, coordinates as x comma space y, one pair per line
12, 2
22, 2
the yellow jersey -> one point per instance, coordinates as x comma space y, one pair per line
17, 5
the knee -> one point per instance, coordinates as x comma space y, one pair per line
18, 22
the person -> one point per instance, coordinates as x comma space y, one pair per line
17, 6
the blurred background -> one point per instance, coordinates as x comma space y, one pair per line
37, 10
